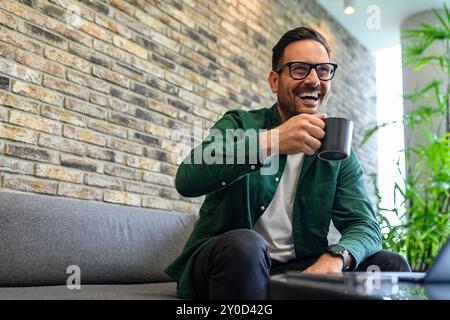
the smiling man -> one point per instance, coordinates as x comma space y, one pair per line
253, 225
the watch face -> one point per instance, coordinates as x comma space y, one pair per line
335, 248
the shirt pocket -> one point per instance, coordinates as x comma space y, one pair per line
318, 200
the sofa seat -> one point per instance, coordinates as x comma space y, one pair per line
120, 251
145, 291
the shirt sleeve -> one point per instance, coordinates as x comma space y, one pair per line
353, 214
220, 159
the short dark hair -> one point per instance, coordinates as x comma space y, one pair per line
301, 33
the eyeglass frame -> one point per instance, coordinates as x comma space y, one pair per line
311, 66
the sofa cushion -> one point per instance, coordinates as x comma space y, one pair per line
147, 291
41, 236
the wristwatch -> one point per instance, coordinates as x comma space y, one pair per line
339, 251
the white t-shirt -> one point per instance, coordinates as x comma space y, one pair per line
275, 224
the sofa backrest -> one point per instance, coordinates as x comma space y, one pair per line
41, 236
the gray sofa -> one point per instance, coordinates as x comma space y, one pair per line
120, 251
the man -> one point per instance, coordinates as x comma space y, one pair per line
254, 225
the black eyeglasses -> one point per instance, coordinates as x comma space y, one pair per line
300, 70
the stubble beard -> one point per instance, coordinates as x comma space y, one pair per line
290, 108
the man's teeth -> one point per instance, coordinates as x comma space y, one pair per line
313, 95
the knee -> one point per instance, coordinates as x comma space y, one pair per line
244, 244
390, 261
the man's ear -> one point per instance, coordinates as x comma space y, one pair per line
273, 81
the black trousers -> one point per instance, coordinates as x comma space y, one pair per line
237, 265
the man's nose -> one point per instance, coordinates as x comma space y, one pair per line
313, 78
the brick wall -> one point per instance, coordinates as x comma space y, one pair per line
92, 91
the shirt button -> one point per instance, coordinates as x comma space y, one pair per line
253, 167
262, 207
224, 183
277, 179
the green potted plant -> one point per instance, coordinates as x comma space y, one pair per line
425, 190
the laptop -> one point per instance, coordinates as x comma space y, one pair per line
438, 272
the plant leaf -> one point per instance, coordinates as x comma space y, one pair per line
442, 21
371, 131
447, 13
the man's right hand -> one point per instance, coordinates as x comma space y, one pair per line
301, 133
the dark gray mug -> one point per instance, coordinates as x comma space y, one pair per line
338, 139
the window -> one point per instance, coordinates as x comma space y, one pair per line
390, 138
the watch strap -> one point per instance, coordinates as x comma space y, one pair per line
344, 254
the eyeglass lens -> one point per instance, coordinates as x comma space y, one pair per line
300, 70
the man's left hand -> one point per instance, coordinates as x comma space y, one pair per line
326, 264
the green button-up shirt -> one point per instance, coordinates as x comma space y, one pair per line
237, 195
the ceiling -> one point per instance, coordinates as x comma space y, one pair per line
392, 14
